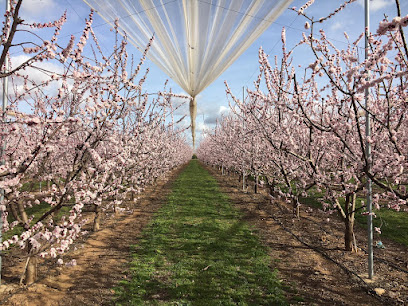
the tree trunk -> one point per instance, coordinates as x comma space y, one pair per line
348, 234
14, 212
296, 210
349, 209
31, 268
97, 219
256, 184
31, 272
22, 212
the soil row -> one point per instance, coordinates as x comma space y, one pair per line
309, 252
297, 250
102, 259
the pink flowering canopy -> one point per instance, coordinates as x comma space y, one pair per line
87, 139
304, 128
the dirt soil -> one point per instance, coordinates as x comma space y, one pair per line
309, 253
102, 260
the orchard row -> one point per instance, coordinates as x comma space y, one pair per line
303, 130
87, 130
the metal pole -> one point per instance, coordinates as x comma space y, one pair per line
243, 126
368, 155
3, 145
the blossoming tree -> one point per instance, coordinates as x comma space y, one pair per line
89, 130
314, 125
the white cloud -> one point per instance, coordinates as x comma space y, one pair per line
336, 26
37, 75
224, 110
41, 11
376, 5
38, 7
211, 117
201, 126
180, 106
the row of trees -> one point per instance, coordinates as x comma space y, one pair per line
304, 128
87, 129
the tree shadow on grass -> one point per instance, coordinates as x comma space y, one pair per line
203, 262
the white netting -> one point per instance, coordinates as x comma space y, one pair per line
195, 40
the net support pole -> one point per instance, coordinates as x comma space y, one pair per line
3, 142
368, 154
193, 115
243, 127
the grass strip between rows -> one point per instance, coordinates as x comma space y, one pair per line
198, 251
393, 224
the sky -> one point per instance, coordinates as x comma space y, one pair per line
213, 102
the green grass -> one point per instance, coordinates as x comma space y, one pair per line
198, 251
394, 223
33, 186
37, 211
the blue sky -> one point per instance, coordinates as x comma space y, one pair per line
213, 101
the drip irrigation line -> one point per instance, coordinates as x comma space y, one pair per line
51, 268
78, 242
24, 288
391, 264
321, 227
363, 284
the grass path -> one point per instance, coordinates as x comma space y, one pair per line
198, 251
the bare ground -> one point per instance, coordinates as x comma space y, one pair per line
102, 260
309, 253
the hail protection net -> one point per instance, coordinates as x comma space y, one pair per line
195, 40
